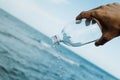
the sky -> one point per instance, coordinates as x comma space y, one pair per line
50, 16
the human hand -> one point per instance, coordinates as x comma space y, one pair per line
108, 19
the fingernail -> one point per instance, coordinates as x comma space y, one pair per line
87, 22
78, 21
93, 21
96, 44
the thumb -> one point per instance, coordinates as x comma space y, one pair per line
101, 41
107, 37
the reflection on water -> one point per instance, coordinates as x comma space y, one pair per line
26, 54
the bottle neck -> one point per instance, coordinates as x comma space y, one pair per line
56, 39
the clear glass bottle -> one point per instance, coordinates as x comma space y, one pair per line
78, 33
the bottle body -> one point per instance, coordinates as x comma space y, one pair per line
76, 35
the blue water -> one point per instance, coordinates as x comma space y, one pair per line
27, 54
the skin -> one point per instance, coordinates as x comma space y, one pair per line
108, 19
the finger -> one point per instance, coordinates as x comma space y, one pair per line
93, 21
117, 4
87, 22
107, 36
84, 14
101, 25
101, 41
78, 21
92, 12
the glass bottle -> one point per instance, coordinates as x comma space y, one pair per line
78, 33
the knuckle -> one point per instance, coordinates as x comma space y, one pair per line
116, 3
102, 7
85, 14
82, 13
96, 12
109, 5
101, 12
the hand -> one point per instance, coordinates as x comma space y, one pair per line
108, 19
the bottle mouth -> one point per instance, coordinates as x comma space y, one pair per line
55, 40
